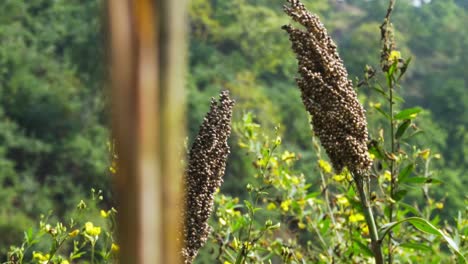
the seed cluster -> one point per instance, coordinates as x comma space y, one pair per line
338, 119
206, 165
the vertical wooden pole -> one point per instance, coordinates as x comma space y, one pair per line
147, 51
123, 70
173, 56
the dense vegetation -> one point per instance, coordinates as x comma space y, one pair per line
53, 123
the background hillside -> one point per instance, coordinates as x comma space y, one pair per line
53, 120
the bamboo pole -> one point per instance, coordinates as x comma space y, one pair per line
147, 51
173, 57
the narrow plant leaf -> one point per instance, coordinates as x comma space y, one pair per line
400, 194
402, 128
413, 135
409, 113
409, 208
426, 227
380, 90
416, 246
312, 195
383, 113
397, 98
415, 180
421, 180
405, 172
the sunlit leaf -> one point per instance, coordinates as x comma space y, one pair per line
416, 246
409, 113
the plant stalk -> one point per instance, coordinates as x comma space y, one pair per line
369, 216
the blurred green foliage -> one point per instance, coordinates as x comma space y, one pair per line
53, 125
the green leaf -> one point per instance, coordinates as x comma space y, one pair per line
312, 195
409, 208
249, 206
324, 229
405, 172
415, 180
377, 151
397, 98
402, 128
426, 227
363, 248
400, 194
414, 134
416, 246
380, 90
383, 113
409, 113
421, 180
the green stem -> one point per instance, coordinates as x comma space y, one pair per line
53, 252
92, 254
392, 169
369, 216
385, 28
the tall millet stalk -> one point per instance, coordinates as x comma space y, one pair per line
338, 119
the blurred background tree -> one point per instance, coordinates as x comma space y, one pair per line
53, 117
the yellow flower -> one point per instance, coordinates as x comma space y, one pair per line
40, 257
92, 230
295, 180
235, 243
342, 176
425, 153
273, 163
356, 218
387, 175
439, 205
339, 177
74, 233
285, 205
342, 200
64, 262
115, 248
299, 255
394, 56
271, 206
104, 214
377, 105
301, 225
288, 157
365, 229
325, 166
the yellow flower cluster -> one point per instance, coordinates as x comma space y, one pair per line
105, 214
394, 56
92, 230
325, 166
40, 257
357, 217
